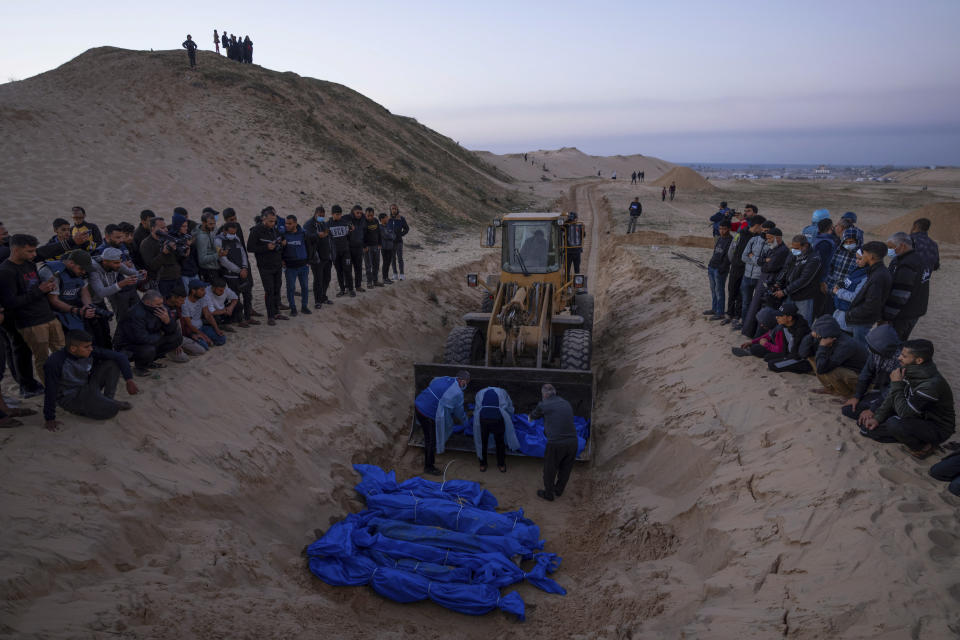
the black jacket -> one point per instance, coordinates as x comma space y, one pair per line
719, 259
799, 331
340, 235
800, 277
910, 289
318, 249
736, 260
359, 231
557, 414
21, 297
866, 307
371, 233
261, 237
141, 326
53, 372
772, 261
844, 352
884, 347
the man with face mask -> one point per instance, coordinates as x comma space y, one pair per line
866, 308
320, 249
398, 224
843, 261
910, 289
800, 279
771, 260
235, 263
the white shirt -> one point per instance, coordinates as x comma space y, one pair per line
194, 311
214, 302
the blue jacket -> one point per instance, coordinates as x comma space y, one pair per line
717, 218
825, 244
70, 287
295, 251
505, 407
442, 400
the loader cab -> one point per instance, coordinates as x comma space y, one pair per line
531, 246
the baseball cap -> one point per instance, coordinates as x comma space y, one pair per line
111, 253
787, 309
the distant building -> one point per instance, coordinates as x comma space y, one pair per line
822, 171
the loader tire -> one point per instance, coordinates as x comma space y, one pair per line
575, 349
487, 305
464, 346
585, 310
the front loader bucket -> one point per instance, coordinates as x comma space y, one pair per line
523, 385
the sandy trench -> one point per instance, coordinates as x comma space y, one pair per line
701, 515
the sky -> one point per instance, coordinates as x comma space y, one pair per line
839, 82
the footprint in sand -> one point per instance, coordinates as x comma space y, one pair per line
944, 545
914, 507
896, 476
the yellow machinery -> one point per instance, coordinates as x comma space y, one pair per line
535, 321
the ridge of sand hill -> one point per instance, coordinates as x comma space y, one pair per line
119, 131
944, 222
941, 176
686, 179
570, 162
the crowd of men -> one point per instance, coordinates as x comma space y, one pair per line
238, 49
77, 310
830, 304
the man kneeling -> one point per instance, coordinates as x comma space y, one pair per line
83, 379
836, 357
918, 410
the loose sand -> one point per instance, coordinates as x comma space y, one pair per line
944, 220
686, 179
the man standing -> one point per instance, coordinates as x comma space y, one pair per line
771, 260
738, 268
723, 213
141, 233
400, 228
866, 308
673, 190
910, 289
436, 407
160, 257
800, 280
387, 240
216, 41
918, 410
340, 235
371, 248
561, 434
320, 255
114, 281
82, 379
208, 257
717, 270
191, 48
295, 257
635, 210
926, 248
25, 296
358, 231
633, 178
493, 416
574, 251
266, 244
236, 265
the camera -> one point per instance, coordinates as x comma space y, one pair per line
106, 314
180, 244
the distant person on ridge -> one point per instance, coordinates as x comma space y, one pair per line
673, 190
641, 176
663, 194
635, 210
247, 50
633, 178
216, 41
400, 228
225, 41
191, 48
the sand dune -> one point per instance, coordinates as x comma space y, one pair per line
570, 162
944, 220
942, 176
686, 179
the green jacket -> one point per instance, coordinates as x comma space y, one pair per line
924, 394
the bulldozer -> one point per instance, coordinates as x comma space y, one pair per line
534, 325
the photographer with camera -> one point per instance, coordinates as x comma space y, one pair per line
70, 298
183, 241
158, 252
112, 280
236, 267
267, 244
